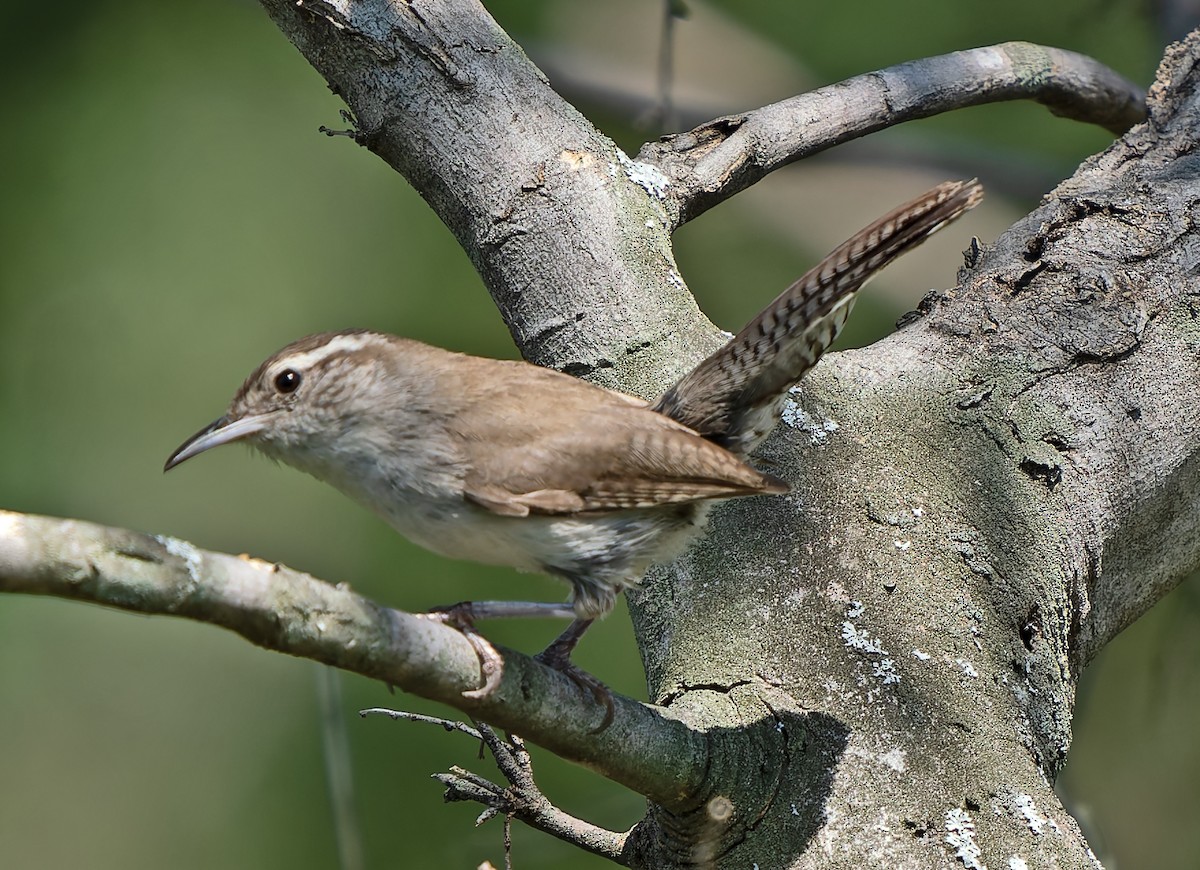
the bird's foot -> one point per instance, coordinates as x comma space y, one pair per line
558, 657
462, 617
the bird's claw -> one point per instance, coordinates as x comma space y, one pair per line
554, 657
491, 664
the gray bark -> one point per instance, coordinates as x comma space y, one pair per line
878, 670
983, 500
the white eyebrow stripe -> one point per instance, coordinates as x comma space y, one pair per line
337, 344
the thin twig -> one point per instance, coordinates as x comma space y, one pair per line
521, 799
664, 112
447, 724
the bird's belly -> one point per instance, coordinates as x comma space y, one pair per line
461, 532
611, 549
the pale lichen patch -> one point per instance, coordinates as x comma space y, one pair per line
818, 431
1025, 808
182, 550
645, 176
895, 758
967, 668
960, 836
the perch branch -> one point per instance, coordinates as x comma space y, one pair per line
647, 749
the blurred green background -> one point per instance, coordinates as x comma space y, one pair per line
170, 215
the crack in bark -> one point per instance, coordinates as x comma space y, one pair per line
684, 688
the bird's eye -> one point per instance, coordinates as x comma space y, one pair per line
287, 381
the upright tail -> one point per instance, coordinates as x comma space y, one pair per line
733, 397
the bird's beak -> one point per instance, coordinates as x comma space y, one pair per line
216, 433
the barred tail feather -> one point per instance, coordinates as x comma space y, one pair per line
725, 396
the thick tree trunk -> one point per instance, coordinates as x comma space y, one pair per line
982, 501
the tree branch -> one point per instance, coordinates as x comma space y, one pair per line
726, 155
648, 749
524, 800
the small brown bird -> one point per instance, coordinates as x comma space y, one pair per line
513, 464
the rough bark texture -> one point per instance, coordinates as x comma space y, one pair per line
981, 502
881, 667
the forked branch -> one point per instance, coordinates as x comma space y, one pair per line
521, 799
570, 236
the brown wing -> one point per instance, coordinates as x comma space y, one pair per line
551, 444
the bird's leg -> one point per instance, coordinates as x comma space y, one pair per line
558, 656
469, 611
559, 652
462, 616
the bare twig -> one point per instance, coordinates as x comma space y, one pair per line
522, 799
405, 716
665, 115
725, 156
